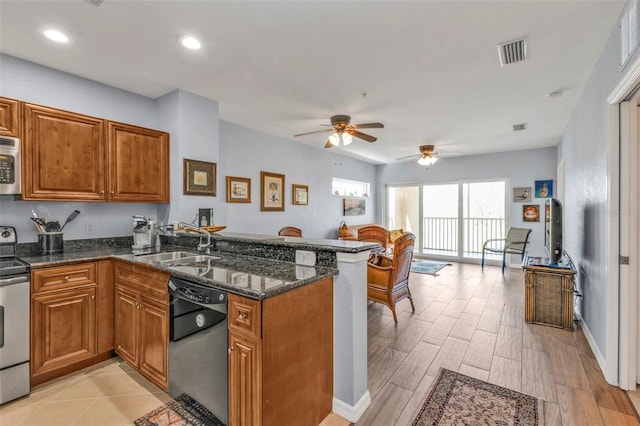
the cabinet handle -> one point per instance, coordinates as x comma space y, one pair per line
243, 315
66, 278
93, 297
230, 349
101, 192
112, 192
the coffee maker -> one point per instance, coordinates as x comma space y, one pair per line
144, 232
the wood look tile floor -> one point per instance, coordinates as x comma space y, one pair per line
467, 319
471, 320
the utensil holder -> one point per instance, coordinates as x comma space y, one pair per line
50, 242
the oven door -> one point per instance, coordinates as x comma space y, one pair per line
14, 337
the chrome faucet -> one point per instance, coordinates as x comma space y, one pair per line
202, 232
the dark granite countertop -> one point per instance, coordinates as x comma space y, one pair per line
250, 276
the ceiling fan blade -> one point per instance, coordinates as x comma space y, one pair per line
315, 131
361, 135
368, 126
328, 145
409, 156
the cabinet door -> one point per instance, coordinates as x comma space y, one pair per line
138, 164
126, 308
63, 155
63, 328
245, 402
10, 117
154, 338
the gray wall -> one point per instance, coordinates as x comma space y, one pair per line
245, 152
583, 149
196, 133
520, 168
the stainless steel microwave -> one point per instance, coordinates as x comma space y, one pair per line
10, 166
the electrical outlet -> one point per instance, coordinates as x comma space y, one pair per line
89, 228
304, 257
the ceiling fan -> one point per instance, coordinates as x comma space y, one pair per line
344, 131
427, 156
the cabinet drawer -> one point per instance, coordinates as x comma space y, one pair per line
61, 277
149, 281
244, 316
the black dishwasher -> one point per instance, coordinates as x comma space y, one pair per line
198, 357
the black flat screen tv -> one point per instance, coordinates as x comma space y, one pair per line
553, 229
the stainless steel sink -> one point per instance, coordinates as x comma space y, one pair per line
171, 255
190, 261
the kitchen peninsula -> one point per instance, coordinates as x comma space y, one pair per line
257, 271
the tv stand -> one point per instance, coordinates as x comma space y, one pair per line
548, 294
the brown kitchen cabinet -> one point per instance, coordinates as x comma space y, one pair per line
10, 117
281, 357
75, 157
68, 307
141, 330
138, 164
63, 155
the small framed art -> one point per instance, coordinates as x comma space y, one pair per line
271, 192
522, 194
354, 206
300, 195
544, 188
531, 213
238, 189
199, 177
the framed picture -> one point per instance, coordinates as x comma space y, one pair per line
522, 194
300, 195
271, 192
238, 189
205, 217
544, 188
354, 206
531, 213
199, 177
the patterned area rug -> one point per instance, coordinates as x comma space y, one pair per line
183, 411
430, 267
456, 399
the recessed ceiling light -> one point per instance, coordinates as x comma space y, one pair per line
190, 42
55, 35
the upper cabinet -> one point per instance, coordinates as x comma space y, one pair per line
10, 117
138, 164
63, 155
74, 157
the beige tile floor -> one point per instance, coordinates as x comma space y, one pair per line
109, 394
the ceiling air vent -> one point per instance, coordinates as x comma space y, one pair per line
519, 127
512, 51
95, 3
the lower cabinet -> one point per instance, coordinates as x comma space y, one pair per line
65, 325
141, 334
281, 357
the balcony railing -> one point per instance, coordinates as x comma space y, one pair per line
440, 234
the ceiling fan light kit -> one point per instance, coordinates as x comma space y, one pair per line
427, 161
345, 132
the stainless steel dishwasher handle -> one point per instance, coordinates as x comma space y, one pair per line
14, 280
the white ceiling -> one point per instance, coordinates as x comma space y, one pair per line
429, 69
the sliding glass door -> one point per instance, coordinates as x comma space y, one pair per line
451, 220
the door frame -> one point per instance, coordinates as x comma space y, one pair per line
619, 366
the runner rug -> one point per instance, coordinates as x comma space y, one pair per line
183, 411
456, 399
430, 267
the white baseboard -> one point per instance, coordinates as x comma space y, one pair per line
352, 412
597, 353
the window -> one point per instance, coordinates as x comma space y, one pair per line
349, 188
